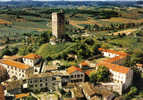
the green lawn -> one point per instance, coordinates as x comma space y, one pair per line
54, 50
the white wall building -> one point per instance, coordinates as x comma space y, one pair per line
17, 69
33, 60
120, 74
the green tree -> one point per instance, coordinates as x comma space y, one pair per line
102, 74
133, 90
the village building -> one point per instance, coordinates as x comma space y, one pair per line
15, 58
31, 59
51, 97
115, 57
70, 99
96, 93
13, 87
16, 69
88, 90
35, 61
84, 65
3, 74
139, 67
75, 74
77, 93
120, 74
43, 82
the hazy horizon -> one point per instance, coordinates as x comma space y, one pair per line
71, 0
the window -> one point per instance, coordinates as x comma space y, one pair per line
78, 76
31, 81
71, 76
40, 80
35, 81
53, 78
35, 85
41, 85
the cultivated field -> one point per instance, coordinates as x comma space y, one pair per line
127, 32
122, 20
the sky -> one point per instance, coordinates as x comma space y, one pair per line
76, 0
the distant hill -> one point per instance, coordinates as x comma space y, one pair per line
19, 3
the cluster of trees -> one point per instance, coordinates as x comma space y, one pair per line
33, 41
101, 75
8, 51
112, 26
132, 91
83, 49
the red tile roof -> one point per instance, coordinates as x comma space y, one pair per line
139, 65
113, 51
89, 71
109, 62
14, 63
1, 93
18, 96
72, 69
84, 63
114, 67
32, 56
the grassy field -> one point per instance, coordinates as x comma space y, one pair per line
48, 50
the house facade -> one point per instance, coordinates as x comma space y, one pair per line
42, 81
16, 69
31, 59
13, 87
34, 61
120, 74
75, 74
88, 91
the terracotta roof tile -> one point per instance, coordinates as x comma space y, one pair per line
73, 69
14, 63
114, 67
89, 71
111, 60
21, 95
139, 65
32, 56
84, 63
113, 51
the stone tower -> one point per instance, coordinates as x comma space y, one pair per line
58, 24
